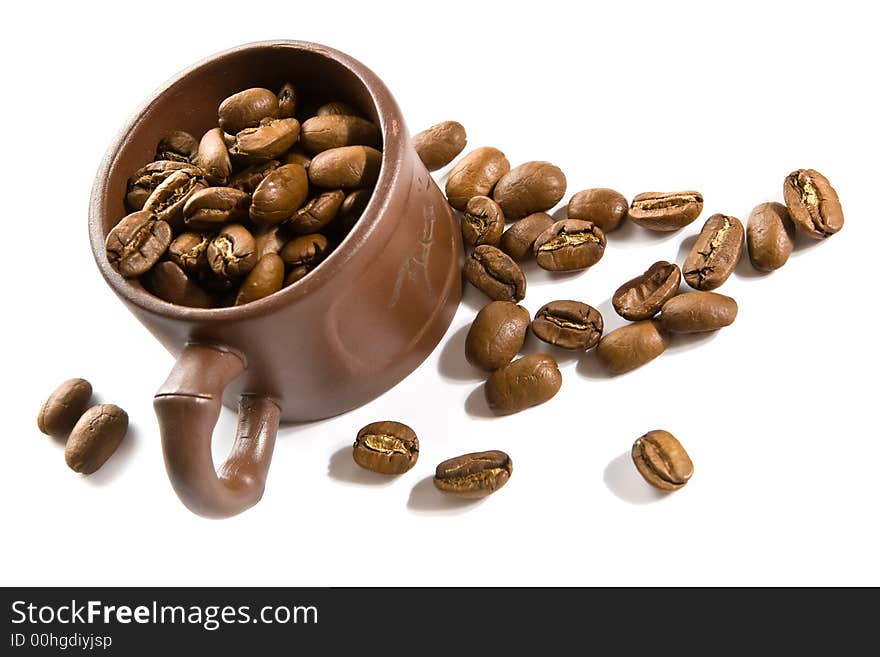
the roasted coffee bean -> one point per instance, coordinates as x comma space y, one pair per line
233, 253
526, 382
269, 239
214, 206
288, 100
213, 157
137, 243
530, 187
643, 296
386, 447
249, 179
64, 407
145, 180
95, 437
168, 199
189, 251
281, 193
568, 245
336, 107
170, 283
296, 157
483, 221
246, 109
264, 279
716, 252
568, 324
475, 175
475, 475
305, 251
495, 274
695, 312
350, 211
345, 167
662, 461
177, 146
497, 335
315, 214
665, 211
602, 206
295, 274
770, 236
518, 240
321, 133
813, 203
631, 346
440, 144
270, 139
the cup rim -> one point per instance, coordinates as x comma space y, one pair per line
394, 143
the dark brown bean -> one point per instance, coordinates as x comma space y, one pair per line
321, 133
170, 283
483, 222
568, 324
643, 296
496, 335
246, 109
528, 188
269, 140
288, 101
528, 381
716, 252
631, 346
569, 245
189, 252
518, 240
269, 239
665, 211
168, 199
232, 254
148, 178
315, 214
604, 207
63, 408
95, 437
440, 144
662, 461
214, 206
770, 236
337, 107
249, 179
386, 447
696, 312
213, 157
177, 146
475, 175
346, 167
297, 157
305, 251
281, 193
350, 211
264, 279
295, 274
495, 274
137, 243
472, 476
813, 203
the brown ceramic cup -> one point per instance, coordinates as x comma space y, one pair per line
354, 327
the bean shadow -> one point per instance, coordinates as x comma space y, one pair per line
452, 363
471, 297
536, 274
342, 467
630, 235
590, 367
745, 269
610, 318
118, 461
622, 479
534, 345
476, 405
680, 342
426, 499
684, 249
803, 244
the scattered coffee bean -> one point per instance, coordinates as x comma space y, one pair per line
213, 157
64, 407
306, 251
267, 277
321, 133
316, 214
716, 252
95, 437
528, 381
603, 207
483, 221
770, 236
215, 206
495, 274
662, 461
440, 144
528, 188
232, 254
568, 245
346, 167
475, 175
288, 101
246, 109
474, 475
813, 203
631, 346
643, 296
169, 282
695, 312
519, 240
146, 179
137, 243
497, 335
386, 447
665, 211
280, 194
177, 146
568, 324
270, 139
189, 252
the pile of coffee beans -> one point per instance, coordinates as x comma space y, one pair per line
92, 433
255, 204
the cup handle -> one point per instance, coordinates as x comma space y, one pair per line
188, 406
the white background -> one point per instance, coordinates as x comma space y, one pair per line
778, 411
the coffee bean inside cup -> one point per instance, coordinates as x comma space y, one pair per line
202, 213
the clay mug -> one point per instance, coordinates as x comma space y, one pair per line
354, 327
